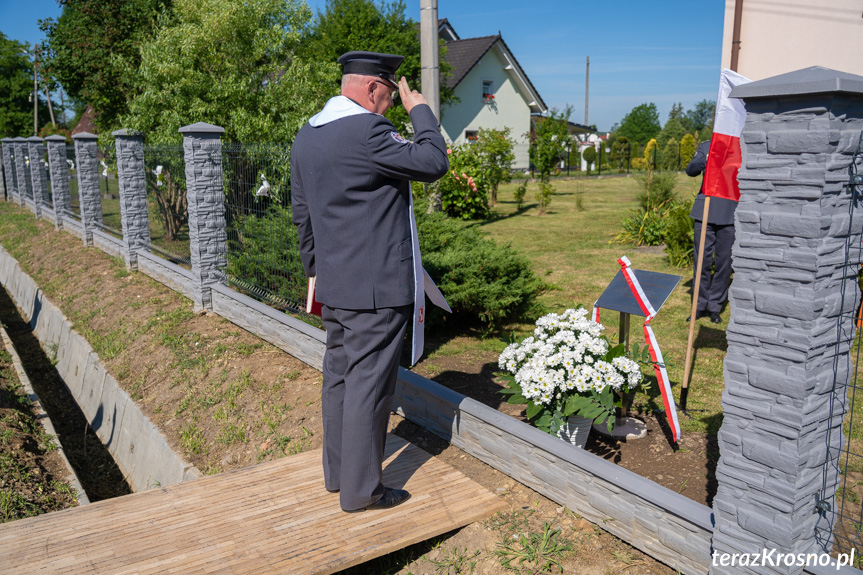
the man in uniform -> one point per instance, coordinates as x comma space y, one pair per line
350, 187
713, 290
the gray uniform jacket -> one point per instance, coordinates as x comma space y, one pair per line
350, 190
721, 210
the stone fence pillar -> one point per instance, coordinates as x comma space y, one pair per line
9, 169
202, 147
133, 195
792, 314
22, 174
38, 179
86, 156
59, 178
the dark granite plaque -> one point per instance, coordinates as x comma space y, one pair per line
618, 295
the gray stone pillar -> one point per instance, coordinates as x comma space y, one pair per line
9, 169
133, 195
202, 147
86, 156
22, 174
59, 178
38, 179
792, 307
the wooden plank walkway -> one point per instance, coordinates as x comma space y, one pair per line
275, 517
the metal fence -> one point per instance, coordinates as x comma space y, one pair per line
165, 169
75, 200
109, 189
263, 251
841, 515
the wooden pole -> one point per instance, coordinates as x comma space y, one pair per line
684, 386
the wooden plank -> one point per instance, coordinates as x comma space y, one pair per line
275, 517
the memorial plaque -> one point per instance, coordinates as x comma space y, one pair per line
618, 295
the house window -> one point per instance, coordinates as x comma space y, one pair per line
487, 91
471, 136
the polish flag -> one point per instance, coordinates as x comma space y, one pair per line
723, 161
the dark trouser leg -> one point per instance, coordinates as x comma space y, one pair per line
332, 398
372, 345
709, 245
722, 275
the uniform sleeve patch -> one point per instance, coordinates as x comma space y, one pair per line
398, 138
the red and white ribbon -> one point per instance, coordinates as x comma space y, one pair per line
595, 313
653, 346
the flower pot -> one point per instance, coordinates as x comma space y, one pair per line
575, 430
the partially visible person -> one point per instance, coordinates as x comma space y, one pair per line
713, 291
350, 186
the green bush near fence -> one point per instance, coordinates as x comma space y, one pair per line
483, 281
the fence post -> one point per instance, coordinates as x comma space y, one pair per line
131, 176
21, 174
89, 195
59, 178
8, 152
202, 147
795, 259
36, 151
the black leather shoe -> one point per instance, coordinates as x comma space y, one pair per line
698, 315
390, 498
714, 317
332, 490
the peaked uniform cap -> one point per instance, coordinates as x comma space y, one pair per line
372, 64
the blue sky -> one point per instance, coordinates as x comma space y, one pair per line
660, 52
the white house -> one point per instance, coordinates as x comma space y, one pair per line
493, 91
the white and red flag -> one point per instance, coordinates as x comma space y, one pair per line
723, 161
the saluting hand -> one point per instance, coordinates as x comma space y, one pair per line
409, 98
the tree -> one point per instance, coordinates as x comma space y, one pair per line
672, 155
700, 117
548, 144
230, 63
619, 153
652, 154
16, 88
494, 148
589, 156
687, 149
673, 129
640, 124
346, 25
93, 51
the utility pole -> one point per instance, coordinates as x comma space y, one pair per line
735, 34
35, 95
429, 55
586, 89
48, 97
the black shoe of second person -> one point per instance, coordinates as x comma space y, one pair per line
390, 498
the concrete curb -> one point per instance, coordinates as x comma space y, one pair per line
43, 418
141, 451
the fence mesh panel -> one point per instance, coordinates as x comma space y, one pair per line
72, 163
263, 252
841, 515
109, 189
166, 202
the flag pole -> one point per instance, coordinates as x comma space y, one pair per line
684, 386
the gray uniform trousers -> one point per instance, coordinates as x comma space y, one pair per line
360, 369
713, 290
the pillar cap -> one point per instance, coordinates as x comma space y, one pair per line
812, 80
201, 127
85, 136
7, 140
19, 139
55, 138
35, 139
125, 132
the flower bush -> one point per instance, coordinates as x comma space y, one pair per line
567, 367
463, 187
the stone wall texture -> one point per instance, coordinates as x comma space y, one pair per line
59, 180
206, 204
89, 195
22, 174
133, 197
792, 304
9, 169
38, 176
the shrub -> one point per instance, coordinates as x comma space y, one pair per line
643, 227
482, 281
672, 155
656, 188
543, 194
519, 194
678, 235
687, 149
463, 187
638, 164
